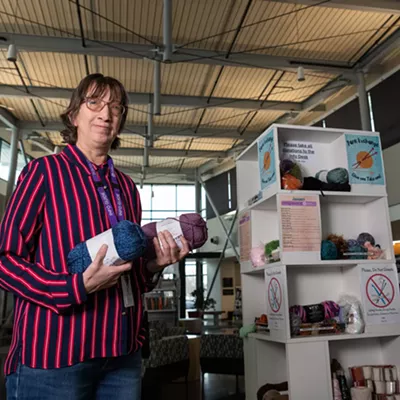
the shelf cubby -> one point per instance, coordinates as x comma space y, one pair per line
301, 277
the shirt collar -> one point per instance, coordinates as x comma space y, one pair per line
75, 155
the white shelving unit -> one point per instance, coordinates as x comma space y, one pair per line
303, 277
161, 303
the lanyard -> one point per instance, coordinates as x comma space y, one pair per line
117, 193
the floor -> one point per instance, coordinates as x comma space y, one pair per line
216, 387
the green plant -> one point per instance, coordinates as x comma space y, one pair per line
200, 303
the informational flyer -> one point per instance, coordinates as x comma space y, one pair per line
275, 297
244, 235
266, 159
380, 294
364, 159
300, 223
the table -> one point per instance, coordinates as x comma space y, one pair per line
215, 314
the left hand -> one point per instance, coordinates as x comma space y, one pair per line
168, 252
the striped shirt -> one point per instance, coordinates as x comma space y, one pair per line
56, 206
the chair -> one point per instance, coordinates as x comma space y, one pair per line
169, 356
221, 354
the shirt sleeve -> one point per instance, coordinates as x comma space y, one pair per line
148, 279
21, 224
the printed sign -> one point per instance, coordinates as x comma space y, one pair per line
379, 286
300, 223
245, 235
274, 295
364, 159
275, 277
266, 159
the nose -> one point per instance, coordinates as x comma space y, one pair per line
105, 113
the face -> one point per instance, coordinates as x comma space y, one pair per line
97, 129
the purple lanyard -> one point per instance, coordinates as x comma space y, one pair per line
117, 194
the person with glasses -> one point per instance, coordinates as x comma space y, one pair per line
77, 336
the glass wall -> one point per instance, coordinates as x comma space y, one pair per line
5, 155
163, 201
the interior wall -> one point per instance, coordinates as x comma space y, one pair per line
391, 159
216, 290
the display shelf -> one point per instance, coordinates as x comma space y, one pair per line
301, 277
247, 268
321, 338
268, 198
161, 311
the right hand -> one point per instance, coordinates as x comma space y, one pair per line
99, 276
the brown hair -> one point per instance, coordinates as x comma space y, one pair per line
100, 83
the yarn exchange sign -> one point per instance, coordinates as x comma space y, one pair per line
364, 158
266, 159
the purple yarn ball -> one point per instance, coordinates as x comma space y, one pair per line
286, 166
194, 229
365, 237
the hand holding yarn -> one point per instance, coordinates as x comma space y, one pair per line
99, 276
167, 251
193, 227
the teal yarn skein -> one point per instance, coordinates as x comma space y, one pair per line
130, 243
338, 175
328, 250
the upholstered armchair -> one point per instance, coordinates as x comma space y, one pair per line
221, 354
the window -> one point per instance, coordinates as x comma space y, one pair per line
5, 159
229, 191
192, 284
371, 112
163, 201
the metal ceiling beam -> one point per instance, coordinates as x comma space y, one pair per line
161, 152
213, 133
140, 51
383, 49
166, 100
7, 118
158, 171
384, 6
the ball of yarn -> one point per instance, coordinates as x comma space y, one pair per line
194, 229
296, 172
129, 240
289, 182
357, 249
295, 323
339, 242
257, 256
328, 250
338, 175
365, 237
351, 243
331, 309
286, 165
322, 175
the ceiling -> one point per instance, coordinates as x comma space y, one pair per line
232, 71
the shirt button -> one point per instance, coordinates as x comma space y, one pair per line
105, 187
123, 312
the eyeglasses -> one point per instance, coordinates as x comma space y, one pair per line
95, 104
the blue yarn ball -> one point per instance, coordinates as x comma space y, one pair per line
328, 250
130, 243
351, 243
358, 249
338, 175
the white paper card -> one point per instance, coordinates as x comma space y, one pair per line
380, 294
127, 293
275, 280
173, 227
94, 244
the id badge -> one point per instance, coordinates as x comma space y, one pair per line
127, 293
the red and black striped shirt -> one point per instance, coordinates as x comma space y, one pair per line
56, 324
